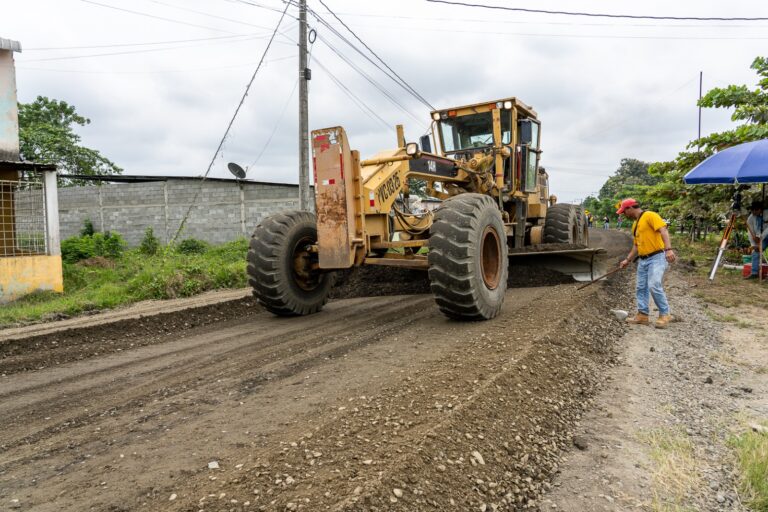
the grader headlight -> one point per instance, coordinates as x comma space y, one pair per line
412, 149
436, 116
508, 105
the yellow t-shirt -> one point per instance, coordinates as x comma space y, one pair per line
646, 233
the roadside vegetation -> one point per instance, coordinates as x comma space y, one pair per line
101, 273
692, 209
752, 453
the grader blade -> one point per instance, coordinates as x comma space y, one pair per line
581, 264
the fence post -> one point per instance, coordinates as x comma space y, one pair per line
51, 194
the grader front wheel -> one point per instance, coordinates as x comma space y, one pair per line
283, 270
468, 252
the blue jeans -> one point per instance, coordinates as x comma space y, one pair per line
756, 256
650, 272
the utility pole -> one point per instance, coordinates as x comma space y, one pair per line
304, 76
701, 79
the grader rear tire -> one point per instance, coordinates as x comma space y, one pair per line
582, 226
282, 272
561, 225
467, 257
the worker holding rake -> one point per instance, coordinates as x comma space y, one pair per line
653, 250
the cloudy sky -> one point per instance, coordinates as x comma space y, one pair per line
160, 79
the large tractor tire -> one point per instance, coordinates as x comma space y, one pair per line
561, 225
582, 226
281, 269
467, 257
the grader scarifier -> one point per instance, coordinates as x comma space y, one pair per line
495, 204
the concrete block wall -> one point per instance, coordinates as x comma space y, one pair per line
222, 210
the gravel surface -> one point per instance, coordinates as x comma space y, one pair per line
677, 386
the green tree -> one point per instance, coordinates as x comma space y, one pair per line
697, 203
630, 172
46, 134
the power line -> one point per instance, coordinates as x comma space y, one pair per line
229, 126
139, 13
122, 45
209, 15
370, 80
357, 101
152, 72
595, 15
402, 82
254, 4
526, 22
129, 52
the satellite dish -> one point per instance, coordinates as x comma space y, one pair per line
237, 171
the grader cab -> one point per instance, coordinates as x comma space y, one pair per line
495, 204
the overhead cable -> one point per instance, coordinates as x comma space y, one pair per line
139, 13
229, 126
145, 50
122, 45
369, 79
357, 101
402, 81
597, 15
209, 15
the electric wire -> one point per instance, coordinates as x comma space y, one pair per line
338, 34
333, 30
146, 50
369, 79
357, 101
152, 72
229, 127
402, 81
597, 15
209, 15
123, 45
170, 20
255, 4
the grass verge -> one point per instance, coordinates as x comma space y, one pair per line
99, 283
751, 450
676, 473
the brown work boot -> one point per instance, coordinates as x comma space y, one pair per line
663, 321
639, 318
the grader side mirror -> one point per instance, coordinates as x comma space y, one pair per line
425, 143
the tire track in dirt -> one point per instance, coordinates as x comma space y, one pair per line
209, 353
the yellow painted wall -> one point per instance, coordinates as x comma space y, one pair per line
25, 274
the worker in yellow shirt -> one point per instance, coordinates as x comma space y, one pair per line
654, 252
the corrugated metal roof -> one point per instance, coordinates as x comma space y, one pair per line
10, 44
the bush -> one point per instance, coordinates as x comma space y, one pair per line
192, 246
150, 244
88, 229
77, 248
108, 245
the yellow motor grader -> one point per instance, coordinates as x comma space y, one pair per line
493, 202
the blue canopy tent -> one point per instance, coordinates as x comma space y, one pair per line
738, 165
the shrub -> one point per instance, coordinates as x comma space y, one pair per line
108, 245
88, 229
192, 246
77, 248
150, 244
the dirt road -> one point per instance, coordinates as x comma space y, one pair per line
377, 403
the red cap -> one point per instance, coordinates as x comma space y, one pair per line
626, 204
